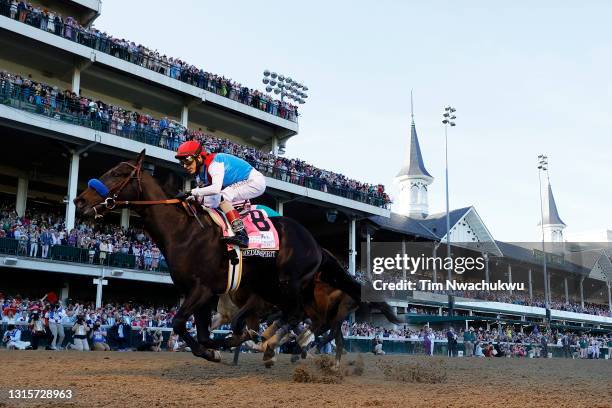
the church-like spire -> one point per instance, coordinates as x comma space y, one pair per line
413, 178
551, 215
413, 165
551, 224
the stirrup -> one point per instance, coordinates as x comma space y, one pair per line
241, 239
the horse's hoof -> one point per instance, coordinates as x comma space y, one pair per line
269, 363
304, 354
295, 358
216, 356
210, 355
305, 338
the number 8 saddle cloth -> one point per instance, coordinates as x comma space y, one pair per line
260, 229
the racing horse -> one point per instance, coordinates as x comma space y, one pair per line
198, 260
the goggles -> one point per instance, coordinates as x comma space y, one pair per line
187, 160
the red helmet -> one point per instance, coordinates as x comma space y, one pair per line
189, 148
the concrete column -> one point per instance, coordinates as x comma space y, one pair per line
274, 149
549, 289
510, 277
125, 218
582, 292
99, 282
530, 285
22, 196
76, 80
609, 296
185, 116
440, 311
352, 246
368, 255
487, 273
73, 180
187, 184
99, 293
566, 291
65, 292
280, 206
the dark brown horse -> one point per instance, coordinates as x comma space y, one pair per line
198, 260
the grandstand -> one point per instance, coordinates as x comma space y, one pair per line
74, 100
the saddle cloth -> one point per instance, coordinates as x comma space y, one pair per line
263, 240
262, 233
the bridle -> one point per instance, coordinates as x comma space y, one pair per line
110, 198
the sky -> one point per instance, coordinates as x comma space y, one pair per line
526, 78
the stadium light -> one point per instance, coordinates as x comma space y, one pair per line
448, 119
543, 167
285, 86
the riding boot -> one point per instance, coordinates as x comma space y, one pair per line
240, 237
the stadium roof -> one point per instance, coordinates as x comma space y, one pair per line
432, 227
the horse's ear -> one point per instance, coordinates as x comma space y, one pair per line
141, 156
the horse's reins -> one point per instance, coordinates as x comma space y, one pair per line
111, 202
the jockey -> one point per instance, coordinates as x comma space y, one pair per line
225, 177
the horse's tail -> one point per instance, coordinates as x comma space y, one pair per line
335, 275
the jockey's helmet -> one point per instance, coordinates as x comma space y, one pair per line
189, 151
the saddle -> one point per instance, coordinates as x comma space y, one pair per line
263, 237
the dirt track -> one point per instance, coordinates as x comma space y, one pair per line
179, 379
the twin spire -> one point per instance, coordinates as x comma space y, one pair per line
413, 179
413, 165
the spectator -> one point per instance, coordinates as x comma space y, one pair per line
37, 328
378, 347
12, 339
451, 337
80, 330
121, 334
468, 342
46, 241
54, 317
99, 338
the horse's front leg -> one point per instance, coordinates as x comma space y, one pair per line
203, 323
239, 335
199, 296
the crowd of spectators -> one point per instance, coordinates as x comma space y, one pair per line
169, 134
112, 323
523, 299
98, 328
69, 28
39, 230
509, 341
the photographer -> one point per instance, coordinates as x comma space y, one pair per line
12, 338
37, 328
151, 339
120, 334
99, 338
80, 330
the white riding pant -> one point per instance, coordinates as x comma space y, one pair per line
252, 187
